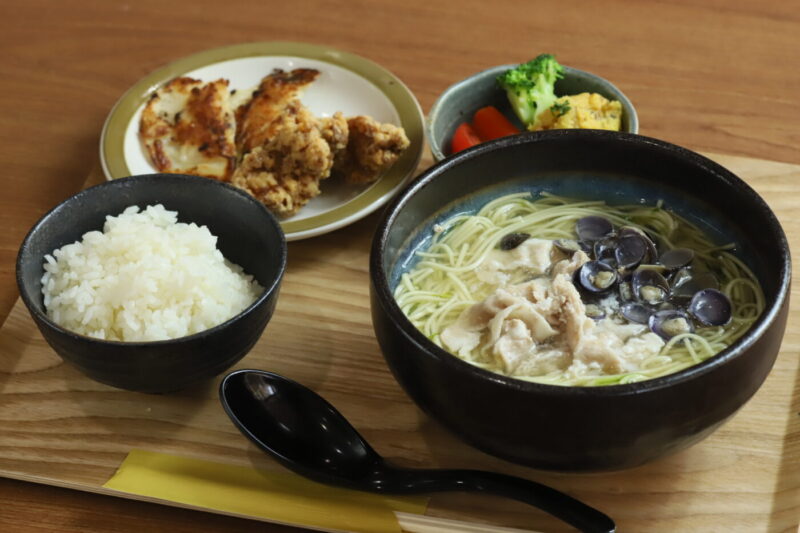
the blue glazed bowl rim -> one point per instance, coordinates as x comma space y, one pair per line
380, 276
145, 178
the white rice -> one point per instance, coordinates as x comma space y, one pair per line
145, 277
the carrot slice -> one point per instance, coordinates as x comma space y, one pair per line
463, 138
489, 123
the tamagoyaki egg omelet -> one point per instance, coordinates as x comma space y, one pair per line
584, 110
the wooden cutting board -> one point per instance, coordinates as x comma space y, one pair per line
60, 428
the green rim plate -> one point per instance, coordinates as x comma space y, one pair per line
112, 155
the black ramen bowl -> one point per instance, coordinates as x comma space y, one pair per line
581, 428
248, 235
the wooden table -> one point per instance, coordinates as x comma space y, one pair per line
715, 76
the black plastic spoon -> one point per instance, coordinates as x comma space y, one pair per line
309, 436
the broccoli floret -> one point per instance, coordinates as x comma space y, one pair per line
530, 87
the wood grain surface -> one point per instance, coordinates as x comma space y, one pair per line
715, 76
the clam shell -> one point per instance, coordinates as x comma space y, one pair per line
596, 277
630, 251
669, 323
649, 286
593, 228
676, 258
711, 307
686, 283
636, 312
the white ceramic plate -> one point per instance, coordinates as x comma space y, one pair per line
347, 83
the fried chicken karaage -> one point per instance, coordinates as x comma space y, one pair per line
284, 173
372, 148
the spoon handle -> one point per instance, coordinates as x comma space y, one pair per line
558, 504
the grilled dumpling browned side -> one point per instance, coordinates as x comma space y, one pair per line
188, 126
258, 119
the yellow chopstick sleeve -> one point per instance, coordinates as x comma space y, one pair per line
281, 497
